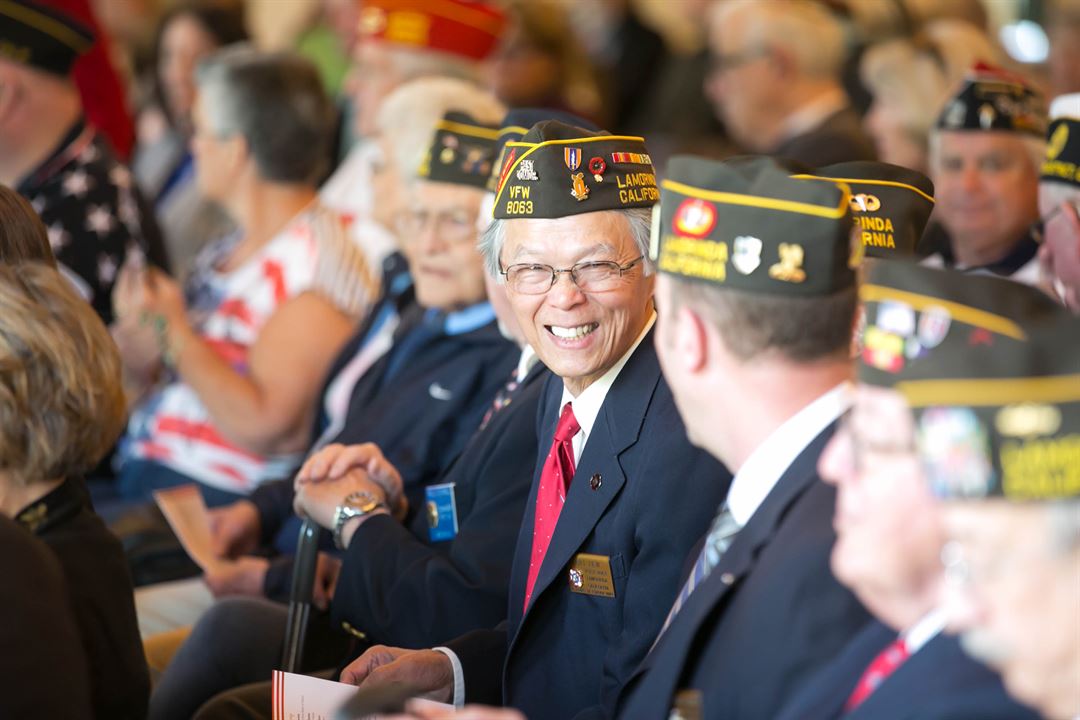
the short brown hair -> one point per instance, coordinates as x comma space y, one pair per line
22, 235
802, 329
61, 397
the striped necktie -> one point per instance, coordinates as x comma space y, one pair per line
721, 534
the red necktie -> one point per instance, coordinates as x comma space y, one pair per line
551, 495
882, 667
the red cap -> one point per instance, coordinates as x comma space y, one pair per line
469, 28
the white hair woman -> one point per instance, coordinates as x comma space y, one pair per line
910, 80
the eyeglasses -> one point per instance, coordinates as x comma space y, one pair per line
719, 62
862, 447
1037, 228
594, 276
453, 226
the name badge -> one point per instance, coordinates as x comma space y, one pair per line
687, 706
591, 575
441, 512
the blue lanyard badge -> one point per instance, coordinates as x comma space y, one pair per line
441, 512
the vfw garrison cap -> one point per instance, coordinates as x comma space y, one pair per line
44, 38
462, 152
1062, 163
991, 369
558, 170
747, 224
467, 28
890, 205
993, 99
513, 128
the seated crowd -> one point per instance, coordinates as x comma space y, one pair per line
589, 424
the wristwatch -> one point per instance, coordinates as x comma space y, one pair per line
355, 504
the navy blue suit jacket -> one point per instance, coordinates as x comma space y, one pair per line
420, 419
401, 589
938, 682
654, 495
766, 617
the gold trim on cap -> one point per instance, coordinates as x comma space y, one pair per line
465, 129
48, 25
513, 129
790, 206
963, 313
888, 183
1054, 390
533, 147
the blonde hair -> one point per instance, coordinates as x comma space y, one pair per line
61, 398
918, 74
408, 116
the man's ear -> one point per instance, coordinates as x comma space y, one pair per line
691, 340
783, 62
11, 90
237, 154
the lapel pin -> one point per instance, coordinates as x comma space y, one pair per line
596, 481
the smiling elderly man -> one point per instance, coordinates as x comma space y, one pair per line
621, 496
889, 527
1003, 452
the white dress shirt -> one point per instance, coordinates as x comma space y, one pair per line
923, 631
771, 459
587, 405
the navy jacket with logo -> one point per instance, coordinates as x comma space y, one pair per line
653, 495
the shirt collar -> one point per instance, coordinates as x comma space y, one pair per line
525, 362
468, 319
771, 459
67, 149
814, 113
587, 405
923, 631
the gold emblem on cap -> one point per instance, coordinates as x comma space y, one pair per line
1058, 140
580, 190
864, 202
789, 269
1028, 419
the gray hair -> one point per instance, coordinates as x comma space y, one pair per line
1034, 147
408, 115
919, 76
638, 221
277, 103
809, 31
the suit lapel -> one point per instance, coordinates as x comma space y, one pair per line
616, 429
667, 660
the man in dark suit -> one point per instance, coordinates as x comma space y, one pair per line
757, 298
618, 494
776, 82
995, 418
890, 530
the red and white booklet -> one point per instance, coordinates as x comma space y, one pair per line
301, 697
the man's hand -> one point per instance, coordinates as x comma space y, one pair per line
319, 500
234, 529
429, 671
327, 571
336, 460
238, 577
